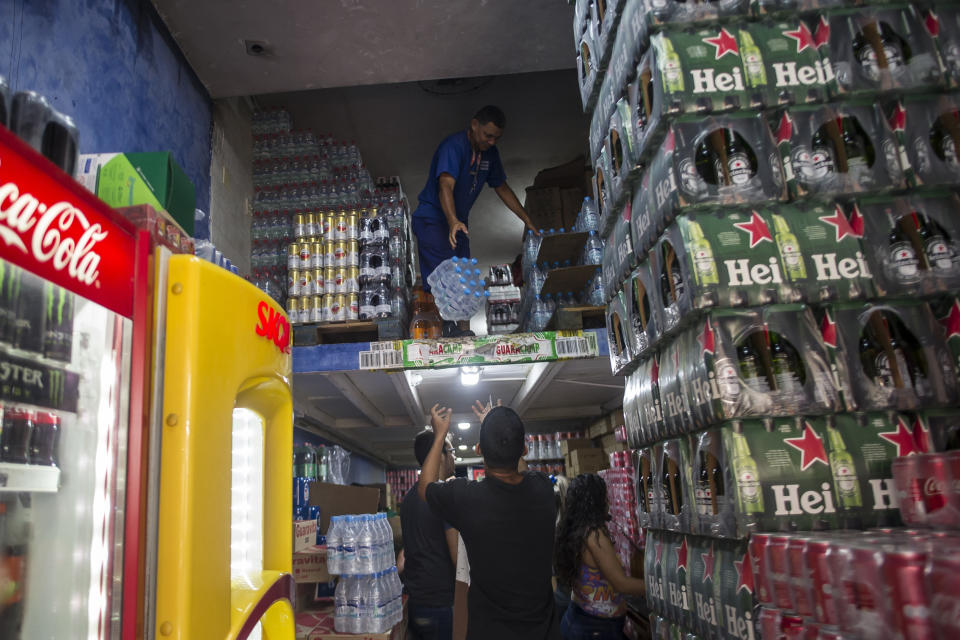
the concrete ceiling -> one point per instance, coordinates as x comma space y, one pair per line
314, 44
379, 413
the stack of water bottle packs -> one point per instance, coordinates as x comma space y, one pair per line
368, 597
458, 288
537, 308
325, 239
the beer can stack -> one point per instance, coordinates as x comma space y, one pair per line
334, 242
623, 526
400, 481
776, 180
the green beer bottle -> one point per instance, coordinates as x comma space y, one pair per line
789, 250
671, 67
749, 492
751, 369
753, 65
843, 470
788, 371
705, 267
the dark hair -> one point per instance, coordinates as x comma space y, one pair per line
491, 113
422, 444
501, 438
585, 512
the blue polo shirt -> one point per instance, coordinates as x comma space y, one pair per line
471, 172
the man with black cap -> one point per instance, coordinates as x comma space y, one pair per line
507, 524
430, 550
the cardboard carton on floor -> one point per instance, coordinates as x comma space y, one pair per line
600, 428
310, 565
338, 500
567, 446
609, 441
304, 534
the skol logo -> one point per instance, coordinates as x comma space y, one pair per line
273, 326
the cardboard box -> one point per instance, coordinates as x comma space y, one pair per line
310, 565
600, 428
304, 535
544, 207
162, 228
338, 500
395, 526
586, 461
382, 488
127, 179
608, 441
615, 446
305, 599
566, 446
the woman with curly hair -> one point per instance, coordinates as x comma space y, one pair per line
586, 563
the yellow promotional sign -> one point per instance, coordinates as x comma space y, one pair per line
227, 349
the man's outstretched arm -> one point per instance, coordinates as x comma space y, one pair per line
510, 199
440, 420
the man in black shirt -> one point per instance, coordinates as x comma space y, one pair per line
507, 524
430, 550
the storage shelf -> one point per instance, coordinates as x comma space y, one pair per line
28, 478
561, 246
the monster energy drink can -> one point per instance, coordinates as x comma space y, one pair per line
58, 322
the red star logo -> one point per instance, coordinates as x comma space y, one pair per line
725, 43
933, 23
921, 436
840, 223
785, 130
669, 144
903, 439
655, 370
744, 573
682, 555
810, 445
708, 564
803, 37
951, 322
757, 228
856, 221
706, 339
659, 549
828, 329
898, 119
822, 36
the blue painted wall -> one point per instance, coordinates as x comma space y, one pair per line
112, 66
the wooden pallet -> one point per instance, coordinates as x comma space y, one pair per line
576, 318
345, 332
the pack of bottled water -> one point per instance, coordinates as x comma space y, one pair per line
368, 602
458, 288
359, 544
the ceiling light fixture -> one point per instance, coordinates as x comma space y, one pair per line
469, 376
463, 426
462, 447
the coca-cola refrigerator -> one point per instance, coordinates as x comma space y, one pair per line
146, 431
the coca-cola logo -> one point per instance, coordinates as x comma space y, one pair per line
50, 232
932, 487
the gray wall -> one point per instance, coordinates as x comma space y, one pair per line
231, 181
398, 127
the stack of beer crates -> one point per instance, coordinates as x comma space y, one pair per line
777, 182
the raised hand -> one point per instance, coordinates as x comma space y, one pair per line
440, 420
480, 410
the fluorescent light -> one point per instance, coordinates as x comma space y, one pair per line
463, 426
462, 447
469, 376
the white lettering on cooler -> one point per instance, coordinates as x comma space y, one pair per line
47, 243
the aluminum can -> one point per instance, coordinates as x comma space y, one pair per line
329, 280
908, 610
293, 283
303, 309
301, 492
799, 579
340, 227
353, 306
352, 226
293, 311
329, 221
943, 584
310, 224
293, 255
339, 308
299, 225
316, 255
328, 254
936, 492
907, 474
307, 287
318, 284
340, 254
353, 253
758, 560
778, 571
824, 603
316, 308
327, 309
318, 221
352, 281
304, 255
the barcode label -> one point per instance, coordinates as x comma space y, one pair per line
389, 345
381, 358
572, 347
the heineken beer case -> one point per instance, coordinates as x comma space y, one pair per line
643, 485
619, 258
619, 332
838, 149
712, 484
674, 568
606, 206
676, 501
943, 426
879, 49
943, 23
620, 144
754, 363
589, 71
782, 477
733, 589
928, 131
888, 356
705, 609
784, 64
947, 311
713, 162
644, 310
649, 411
914, 243
605, 19
673, 380
674, 13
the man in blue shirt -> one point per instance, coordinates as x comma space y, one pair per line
461, 165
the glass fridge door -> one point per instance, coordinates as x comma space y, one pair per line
64, 366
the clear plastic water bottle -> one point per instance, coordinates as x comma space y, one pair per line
348, 556
595, 295
531, 247
550, 303
365, 544
354, 603
340, 611
590, 219
333, 545
593, 250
